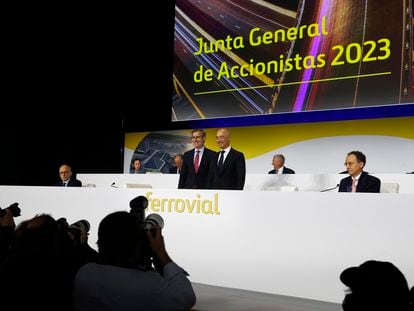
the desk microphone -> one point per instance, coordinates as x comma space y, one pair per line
329, 189
113, 185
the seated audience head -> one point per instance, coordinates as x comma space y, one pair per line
120, 239
37, 234
375, 285
355, 162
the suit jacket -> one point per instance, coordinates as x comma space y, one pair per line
173, 170
141, 171
366, 183
233, 175
189, 179
73, 182
286, 170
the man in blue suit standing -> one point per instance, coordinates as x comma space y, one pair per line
197, 163
230, 170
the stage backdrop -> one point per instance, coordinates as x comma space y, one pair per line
252, 58
309, 148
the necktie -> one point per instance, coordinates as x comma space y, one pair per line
353, 189
196, 161
276, 171
221, 161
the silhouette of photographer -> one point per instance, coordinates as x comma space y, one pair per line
376, 285
125, 278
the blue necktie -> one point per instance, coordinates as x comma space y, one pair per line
221, 161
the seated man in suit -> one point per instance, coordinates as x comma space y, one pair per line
278, 163
358, 180
66, 177
178, 161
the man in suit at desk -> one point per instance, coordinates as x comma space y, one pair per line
358, 180
66, 177
230, 169
178, 161
197, 163
278, 163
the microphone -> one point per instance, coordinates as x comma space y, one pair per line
113, 185
329, 189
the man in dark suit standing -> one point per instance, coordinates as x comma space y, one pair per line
197, 163
278, 163
230, 169
66, 177
358, 180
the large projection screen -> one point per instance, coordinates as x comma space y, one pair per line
250, 58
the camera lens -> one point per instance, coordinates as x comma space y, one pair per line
82, 224
153, 220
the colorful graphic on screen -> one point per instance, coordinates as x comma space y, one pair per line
245, 58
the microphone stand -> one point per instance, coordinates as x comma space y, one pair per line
329, 189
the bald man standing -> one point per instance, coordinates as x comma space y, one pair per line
230, 171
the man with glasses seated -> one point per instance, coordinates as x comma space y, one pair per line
358, 180
67, 179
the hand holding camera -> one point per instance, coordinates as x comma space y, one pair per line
156, 241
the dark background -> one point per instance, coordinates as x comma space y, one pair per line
75, 80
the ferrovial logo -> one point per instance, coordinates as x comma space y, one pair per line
179, 205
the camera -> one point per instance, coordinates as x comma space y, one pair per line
138, 206
82, 225
79, 231
14, 208
153, 220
